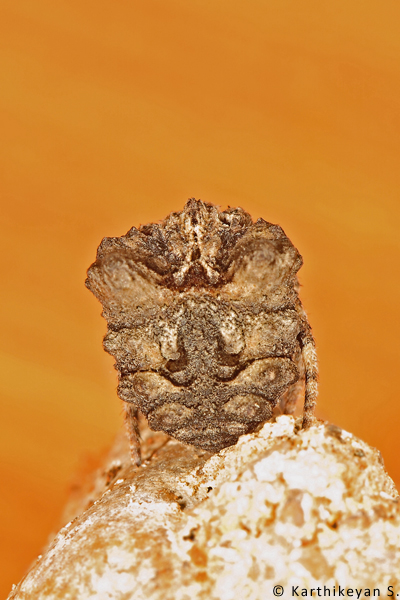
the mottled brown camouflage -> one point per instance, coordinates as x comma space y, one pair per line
205, 324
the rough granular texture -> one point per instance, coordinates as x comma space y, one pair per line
205, 324
284, 506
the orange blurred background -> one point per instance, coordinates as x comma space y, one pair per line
112, 115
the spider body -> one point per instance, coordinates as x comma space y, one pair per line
205, 324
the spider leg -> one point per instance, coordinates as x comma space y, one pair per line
311, 376
309, 354
132, 428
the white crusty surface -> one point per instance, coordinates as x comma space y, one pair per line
281, 507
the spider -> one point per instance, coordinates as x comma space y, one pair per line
205, 324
